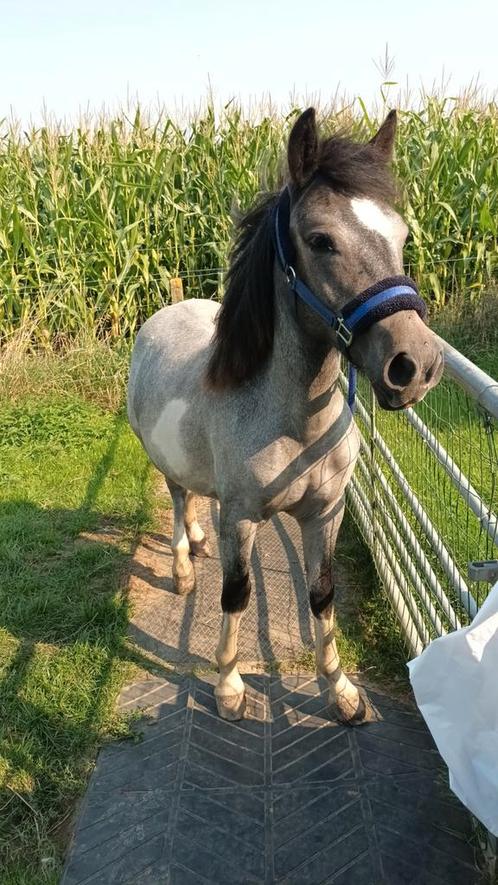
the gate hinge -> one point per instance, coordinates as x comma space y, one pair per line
486, 570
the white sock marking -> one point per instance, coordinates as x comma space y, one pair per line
195, 531
328, 663
230, 682
180, 542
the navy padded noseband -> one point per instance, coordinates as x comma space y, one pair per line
379, 301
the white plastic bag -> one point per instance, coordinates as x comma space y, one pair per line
455, 682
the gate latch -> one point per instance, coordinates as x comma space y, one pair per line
486, 570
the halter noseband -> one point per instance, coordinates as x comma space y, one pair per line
381, 300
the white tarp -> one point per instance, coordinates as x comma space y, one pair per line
455, 681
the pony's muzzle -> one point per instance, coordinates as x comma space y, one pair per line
408, 376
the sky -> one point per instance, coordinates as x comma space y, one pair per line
69, 57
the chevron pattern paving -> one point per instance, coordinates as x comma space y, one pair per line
285, 796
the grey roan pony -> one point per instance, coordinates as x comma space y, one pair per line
242, 403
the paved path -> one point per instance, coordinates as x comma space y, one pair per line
277, 623
285, 796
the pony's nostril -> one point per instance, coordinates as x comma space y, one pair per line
401, 371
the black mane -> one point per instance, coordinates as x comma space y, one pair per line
244, 328
243, 340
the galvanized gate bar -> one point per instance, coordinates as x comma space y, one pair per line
480, 386
421, 558
485, 516
426, 568
414, 641
389, 553
421, 562
407, 560
408, 627
449, 565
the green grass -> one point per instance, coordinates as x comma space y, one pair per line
95, 220
75, 492
472, 329
368, 637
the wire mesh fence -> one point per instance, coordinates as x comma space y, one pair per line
117, 299
425, 495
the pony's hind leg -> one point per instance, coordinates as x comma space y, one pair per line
236, 542
183, 570
199, 545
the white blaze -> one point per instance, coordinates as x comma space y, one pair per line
383, 222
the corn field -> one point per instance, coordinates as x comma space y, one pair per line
95, 221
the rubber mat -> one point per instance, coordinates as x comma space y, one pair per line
284, 796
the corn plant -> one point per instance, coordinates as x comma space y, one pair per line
95, 221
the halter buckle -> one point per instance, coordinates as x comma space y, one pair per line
343, 333
290, 275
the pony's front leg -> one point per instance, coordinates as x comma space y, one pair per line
319, 534
236, 542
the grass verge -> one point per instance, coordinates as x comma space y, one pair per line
75, 493
472, 329
368, 636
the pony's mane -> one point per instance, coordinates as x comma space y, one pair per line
243, 340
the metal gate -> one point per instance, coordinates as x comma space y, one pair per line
425, 496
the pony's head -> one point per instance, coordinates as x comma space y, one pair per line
346, 237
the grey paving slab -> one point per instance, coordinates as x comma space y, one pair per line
285, 796
277, 623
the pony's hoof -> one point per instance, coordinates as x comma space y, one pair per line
232, 706
200, 548
184, 584
359, 712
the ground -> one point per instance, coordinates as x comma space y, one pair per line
286, 795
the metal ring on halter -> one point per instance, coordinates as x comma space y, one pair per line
290, 274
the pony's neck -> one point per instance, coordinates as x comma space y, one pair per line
304, 368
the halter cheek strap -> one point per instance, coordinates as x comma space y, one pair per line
379, 301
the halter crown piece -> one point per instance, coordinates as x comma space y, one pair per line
381, 300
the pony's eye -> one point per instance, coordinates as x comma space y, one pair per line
321, 243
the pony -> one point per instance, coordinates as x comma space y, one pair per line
242, 402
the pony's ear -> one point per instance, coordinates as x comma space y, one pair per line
383, 141
302, 152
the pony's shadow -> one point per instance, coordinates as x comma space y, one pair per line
147, 574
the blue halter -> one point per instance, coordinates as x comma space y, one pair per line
381, 300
